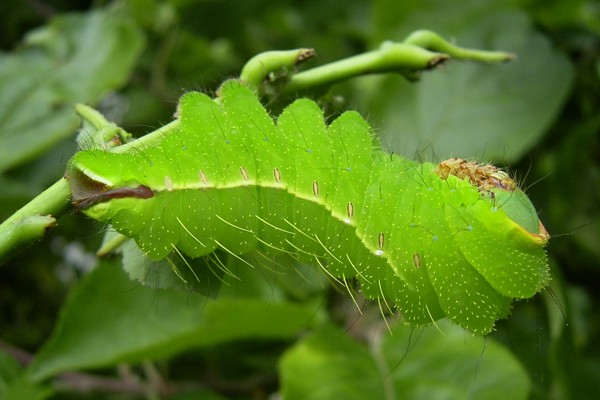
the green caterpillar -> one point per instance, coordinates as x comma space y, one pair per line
457, 240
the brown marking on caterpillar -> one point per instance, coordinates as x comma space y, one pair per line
315, 188
381, 240
417, 260
203, 177
168, 183
484, 176
380, 243
350, 209
244, 174
277, 174
139, 192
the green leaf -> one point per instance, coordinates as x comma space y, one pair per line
9, 370
70, 60
110, 319
407, 364
498, 112
451, 365
12, 384
330, 365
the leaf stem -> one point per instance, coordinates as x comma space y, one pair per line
421, 50
149, 139
390, 57
97, 131
111, 245
259, 67
32, 220
432, 41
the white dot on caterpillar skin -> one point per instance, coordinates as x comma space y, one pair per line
378, 252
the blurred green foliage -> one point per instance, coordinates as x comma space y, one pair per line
133, 58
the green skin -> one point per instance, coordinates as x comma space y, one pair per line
227, 176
